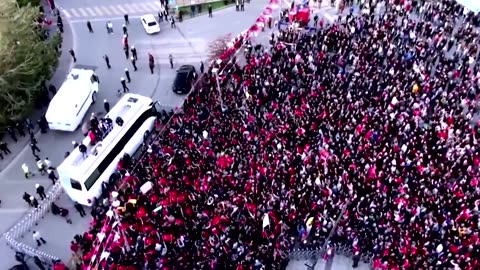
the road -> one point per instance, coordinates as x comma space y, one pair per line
188, 44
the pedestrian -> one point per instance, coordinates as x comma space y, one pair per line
160, 16
52, 176
34, 148
107, 61
126, 19
27, 171
80, 209
210, 15
106, 105
125, 30
38, 238
75, 144
134, 53
60, 27
237, 5
127, 74
34, 202
109, 26
52, 89
89, 26
4, 148
41, 125
1, 156
134, 63
126, 51
125, 41
11, 132
72, 53
242, 5
40, 191
356, 259
83, 149
38, 263
20, 128
124, 85
172, 22
170, 59
202, 67
48, 164
26, 198
41, 166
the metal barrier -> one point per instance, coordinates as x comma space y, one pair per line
30, 220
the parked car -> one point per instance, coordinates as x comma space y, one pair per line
184, 79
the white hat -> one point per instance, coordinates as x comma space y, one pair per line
37, 185
133, 47
105, 100
122, 78
74, 142
31, 198
126, 69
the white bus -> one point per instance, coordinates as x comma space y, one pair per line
82, 175
70, 104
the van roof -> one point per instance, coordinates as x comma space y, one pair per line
73, 90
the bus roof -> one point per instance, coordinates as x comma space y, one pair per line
74, 89
128, 108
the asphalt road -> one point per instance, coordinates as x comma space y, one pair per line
188, 44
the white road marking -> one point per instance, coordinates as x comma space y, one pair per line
124, 11
74, 12
91, 12
106, 9
67, 14
98, 11
83, 12
153, 8
329, 17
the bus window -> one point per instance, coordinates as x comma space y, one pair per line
75, 184
92, 179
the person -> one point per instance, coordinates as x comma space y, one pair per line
42, 168
172, 22
83, 149
210, 12
48, 164
356, 259
124, 85
107, 61
52, 89
26, 171
40, 191
11, 132
26, 198
80, 209
52, 176
109, 26
4, 148
134, 63
242, 5
127, 74
126, 51
160, 16
125, 17
125, 30
134, 52
59, 211
170, 59
89, 26
72, 53
202, 68
38, 263
75, 144
20, 129
34, 148
37, 237
106, 106
34, 202
119, 121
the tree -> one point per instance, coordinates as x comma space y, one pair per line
25, 59
23, 3
218, 46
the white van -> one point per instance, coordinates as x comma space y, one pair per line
71, 103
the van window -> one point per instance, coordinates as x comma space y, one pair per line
75, 184
92, 179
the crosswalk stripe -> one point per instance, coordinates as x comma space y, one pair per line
103, 10
158, 5
67, 14
74, 13
90, 11
83, 12
122, 9
130, 7
98, 10
153, 7
143, 7
114, 10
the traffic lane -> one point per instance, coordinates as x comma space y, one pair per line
92, 3
224, 21
157, 85
57, 232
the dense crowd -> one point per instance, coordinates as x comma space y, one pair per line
370, 122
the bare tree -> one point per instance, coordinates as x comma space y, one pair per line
218, 46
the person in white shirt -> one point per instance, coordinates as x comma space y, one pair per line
38, 238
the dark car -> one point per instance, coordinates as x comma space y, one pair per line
186, 76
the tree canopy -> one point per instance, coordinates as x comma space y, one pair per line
26, 59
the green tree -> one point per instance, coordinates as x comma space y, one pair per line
23, 3
25, 59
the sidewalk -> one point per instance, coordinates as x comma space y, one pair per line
61, 72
